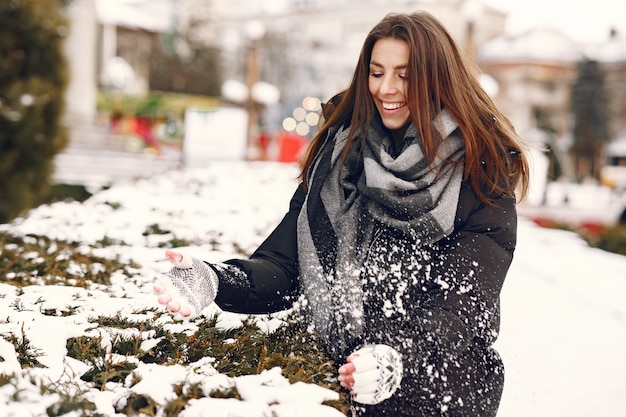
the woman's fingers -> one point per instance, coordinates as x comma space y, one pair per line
178, 259
347, 383
158, 288
347, 368
346, 379
164, 299
174, 257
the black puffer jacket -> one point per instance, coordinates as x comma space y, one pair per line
440, 309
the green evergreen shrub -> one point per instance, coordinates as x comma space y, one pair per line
612, 239
33, 78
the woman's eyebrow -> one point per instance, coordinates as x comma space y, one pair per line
397, 67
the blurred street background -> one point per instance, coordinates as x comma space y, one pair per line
147, 86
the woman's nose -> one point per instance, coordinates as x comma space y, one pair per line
388, 86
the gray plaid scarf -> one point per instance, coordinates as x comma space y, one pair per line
377, 188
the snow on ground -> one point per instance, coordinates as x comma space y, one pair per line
563, 335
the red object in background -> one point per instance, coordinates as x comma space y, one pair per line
543, 222
587, 228
291, 147
138, 126
264, 143
591, 229
143, 126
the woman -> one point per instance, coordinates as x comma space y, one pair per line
400, 235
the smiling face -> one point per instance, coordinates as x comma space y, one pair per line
388, 82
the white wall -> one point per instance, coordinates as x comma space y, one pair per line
80, 49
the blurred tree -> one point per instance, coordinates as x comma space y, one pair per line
591, 119
33, 77
184, 62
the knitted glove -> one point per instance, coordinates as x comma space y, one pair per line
378, 373
187, 288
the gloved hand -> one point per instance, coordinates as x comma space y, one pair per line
187, 288
372, 373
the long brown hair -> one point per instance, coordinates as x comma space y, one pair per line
439, 76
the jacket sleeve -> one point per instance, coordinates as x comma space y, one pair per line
268, 281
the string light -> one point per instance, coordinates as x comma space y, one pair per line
305, 117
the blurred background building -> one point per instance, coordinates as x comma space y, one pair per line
151, 60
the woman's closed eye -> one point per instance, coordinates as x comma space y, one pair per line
402, 76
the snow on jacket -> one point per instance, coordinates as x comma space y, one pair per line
440, 310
